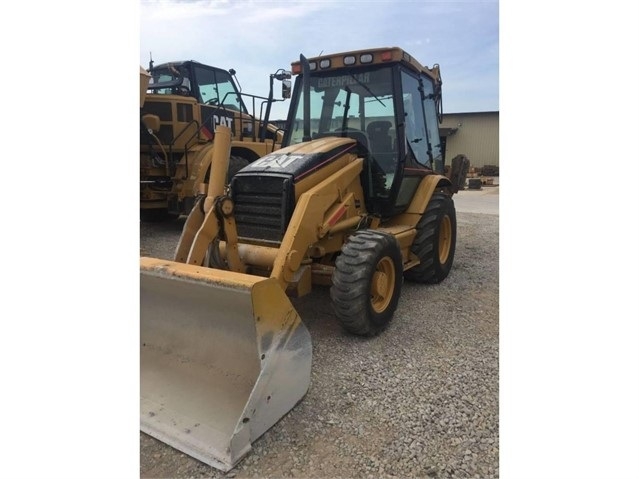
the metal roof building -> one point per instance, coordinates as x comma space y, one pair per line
475, 135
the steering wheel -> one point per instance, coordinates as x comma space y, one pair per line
212, 101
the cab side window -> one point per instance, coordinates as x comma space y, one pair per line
432, 122
415, 127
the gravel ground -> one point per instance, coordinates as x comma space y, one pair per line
420, 400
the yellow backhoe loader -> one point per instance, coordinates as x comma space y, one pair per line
356, 199
181, 104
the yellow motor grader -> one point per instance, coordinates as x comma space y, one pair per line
180, 106
356, 199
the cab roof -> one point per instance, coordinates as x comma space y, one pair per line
377, 56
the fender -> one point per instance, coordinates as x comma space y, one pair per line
422, 196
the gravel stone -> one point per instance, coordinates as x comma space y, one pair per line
419, 400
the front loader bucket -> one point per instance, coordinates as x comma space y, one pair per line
223, 357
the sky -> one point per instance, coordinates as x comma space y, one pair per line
256, 38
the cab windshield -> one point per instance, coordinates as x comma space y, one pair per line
211, 86
346, 101
355, 104
169, 79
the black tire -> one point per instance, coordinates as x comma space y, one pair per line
236, 163
435, 241
367, 282
214, 258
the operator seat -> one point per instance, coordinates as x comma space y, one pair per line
355, 135
381, 144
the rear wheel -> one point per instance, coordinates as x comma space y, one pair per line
435, 241
367, 282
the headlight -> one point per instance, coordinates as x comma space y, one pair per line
366, 58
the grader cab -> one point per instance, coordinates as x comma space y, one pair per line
182, 103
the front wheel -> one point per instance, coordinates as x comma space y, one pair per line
367, 282
435, 241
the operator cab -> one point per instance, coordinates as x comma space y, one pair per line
386, 101
208, 85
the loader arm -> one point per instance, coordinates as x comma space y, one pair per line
203, 223
305, 227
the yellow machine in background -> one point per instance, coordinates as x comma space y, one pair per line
356, 199
180, 106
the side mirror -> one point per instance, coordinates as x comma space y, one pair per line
286, 88
151, 122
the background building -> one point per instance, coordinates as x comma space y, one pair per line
475, 135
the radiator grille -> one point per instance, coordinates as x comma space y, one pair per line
263, 206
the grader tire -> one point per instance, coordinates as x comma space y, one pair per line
435, 241
367, 282
236, 163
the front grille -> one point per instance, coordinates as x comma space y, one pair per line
263, 206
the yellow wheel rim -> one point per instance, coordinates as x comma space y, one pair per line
445, 238
382, 284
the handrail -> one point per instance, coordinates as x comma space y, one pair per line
186, 144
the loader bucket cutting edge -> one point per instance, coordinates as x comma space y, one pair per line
223, 357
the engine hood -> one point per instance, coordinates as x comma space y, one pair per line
301, 159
